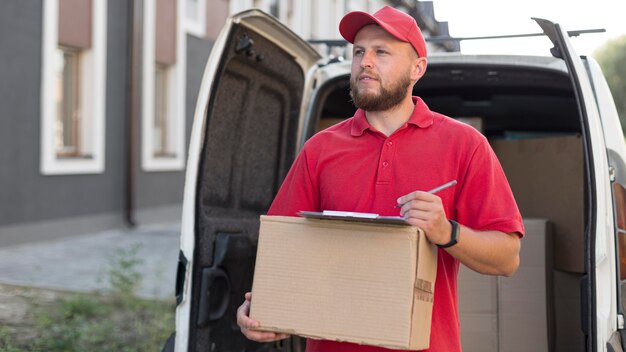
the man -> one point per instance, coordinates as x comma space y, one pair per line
387, 154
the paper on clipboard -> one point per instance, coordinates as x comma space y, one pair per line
354, 216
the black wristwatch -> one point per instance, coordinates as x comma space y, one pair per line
454, 236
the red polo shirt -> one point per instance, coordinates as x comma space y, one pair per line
353, 167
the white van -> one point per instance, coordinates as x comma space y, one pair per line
551, 121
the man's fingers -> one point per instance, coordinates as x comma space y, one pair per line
423, 215
405, 198
246, 324
243, 319
243, 310
421, 209
263, 336
417, 195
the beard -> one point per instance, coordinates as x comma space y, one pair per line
388, 97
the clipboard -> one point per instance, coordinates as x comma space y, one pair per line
354, 216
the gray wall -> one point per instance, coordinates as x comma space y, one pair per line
20, 31
26, 196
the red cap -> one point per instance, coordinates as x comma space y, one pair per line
395, 22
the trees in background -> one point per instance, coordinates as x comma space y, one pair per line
612, 59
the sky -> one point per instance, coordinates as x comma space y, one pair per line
493, 17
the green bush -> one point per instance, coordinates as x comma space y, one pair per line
7, 342
116, 325
124, 279
113, 320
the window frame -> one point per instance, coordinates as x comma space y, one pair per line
92, 91
196, 26
176, 91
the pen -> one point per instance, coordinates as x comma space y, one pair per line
437, 189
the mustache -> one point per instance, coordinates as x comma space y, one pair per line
370, 74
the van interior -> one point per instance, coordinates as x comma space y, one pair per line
531, 119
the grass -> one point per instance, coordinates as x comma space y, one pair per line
112, 320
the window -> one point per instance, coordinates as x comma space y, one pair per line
67, 128
162, 119
195, 17
73, 87
163, 97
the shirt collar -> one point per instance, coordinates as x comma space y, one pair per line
421, 117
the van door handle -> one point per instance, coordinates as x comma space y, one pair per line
181, 273
215, 295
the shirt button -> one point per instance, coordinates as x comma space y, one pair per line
385, 164
390, 143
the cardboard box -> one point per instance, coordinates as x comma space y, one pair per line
515, 313
525, 310
365, 283
547, 179
478, 311
568, 334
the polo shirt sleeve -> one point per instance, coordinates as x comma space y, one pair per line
485, 200
299, 191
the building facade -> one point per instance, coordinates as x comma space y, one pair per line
97, 99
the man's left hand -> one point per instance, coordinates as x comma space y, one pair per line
425, 210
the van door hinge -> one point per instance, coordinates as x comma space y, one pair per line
611, 173
620, 321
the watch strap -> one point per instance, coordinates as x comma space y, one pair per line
454, 235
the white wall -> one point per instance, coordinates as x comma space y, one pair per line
310, 19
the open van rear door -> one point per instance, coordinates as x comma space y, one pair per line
243, 141
616, 244
598, 289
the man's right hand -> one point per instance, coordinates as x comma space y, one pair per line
245, 324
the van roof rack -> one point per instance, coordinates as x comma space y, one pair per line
575, 33
333, 43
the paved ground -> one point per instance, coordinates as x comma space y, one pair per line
81, 263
